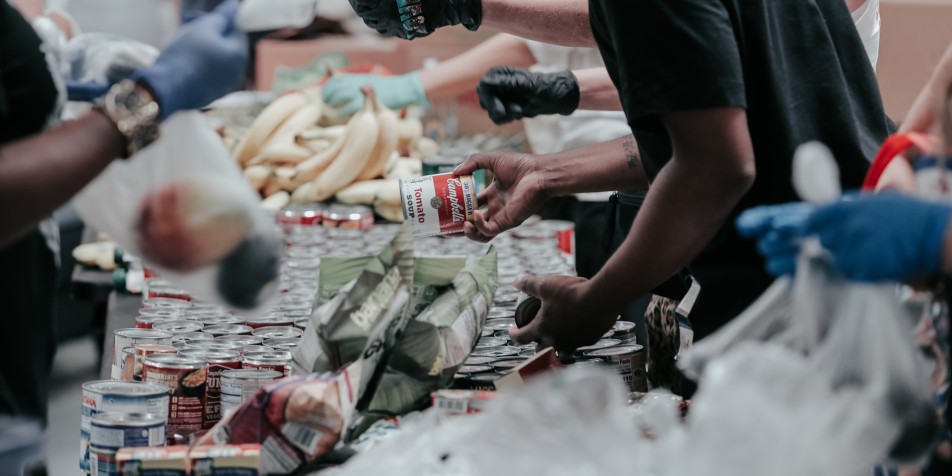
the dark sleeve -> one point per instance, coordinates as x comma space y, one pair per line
673, 55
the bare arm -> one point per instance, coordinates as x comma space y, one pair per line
559, 22
924, 114
713, 157
597, 92
41, 172
461, 74
612, 165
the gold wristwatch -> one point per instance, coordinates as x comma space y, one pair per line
134, 112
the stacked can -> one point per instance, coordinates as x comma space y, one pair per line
110, 397
110, 432
186, 381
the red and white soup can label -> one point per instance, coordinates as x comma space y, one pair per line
438, 204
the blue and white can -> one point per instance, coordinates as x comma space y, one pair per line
110, 396
114, 431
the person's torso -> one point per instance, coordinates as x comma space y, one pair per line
27, 92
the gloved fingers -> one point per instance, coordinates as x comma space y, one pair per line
782, 265
351, 107
224, 15
777, 243
758, 220
498, 112
85, 92
338, 90
514, 111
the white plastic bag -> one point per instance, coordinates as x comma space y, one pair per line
182, 205
263, 15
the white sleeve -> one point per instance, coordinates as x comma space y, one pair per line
866, 19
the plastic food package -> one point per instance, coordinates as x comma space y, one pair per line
263, 15
182, 205
451, 297
105, 58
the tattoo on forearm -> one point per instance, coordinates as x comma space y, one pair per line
631, 155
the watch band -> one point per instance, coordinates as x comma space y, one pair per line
135, 114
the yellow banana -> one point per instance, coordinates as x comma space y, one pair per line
284, 152
257, 175
266, 123
360, 193
359, 142
408, 131
312, 167
302, 119
276, 201
285, 178
390, 212
386, 142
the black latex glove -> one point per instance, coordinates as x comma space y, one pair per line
409, 19
509, 94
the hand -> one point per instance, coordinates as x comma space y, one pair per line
409, 19
396, 92
570, 316
885, 237
777, 229
518, 191
509, 94
205, 61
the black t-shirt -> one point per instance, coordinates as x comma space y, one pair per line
27, 91
797, 66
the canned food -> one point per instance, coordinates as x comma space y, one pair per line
129, 337
133, 356
218, 362
301, 214
502, 335
486, 333
474, 369
165, 461
501, 313
507, 365
270, 321
282, 332
170, 292
283, 343
178, 327
527, 353
165, 303
102, 463
608, 335
625, 331
237, 386
438, 204
495, 352
255, 348
193, 337
215, 344
278, 360
491, 342
302, 323
499, 324
112, 431
149, 316
217, 320
107, 396
628, 361
186, 378
526, 309
601, 344
240, 339
349, 217
477, 360
227, 330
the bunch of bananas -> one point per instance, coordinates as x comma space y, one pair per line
287, 156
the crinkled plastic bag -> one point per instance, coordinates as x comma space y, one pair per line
182, 205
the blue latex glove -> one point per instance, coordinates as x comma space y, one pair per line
85, 92
885, 237
205, 61
396, 92
777, 229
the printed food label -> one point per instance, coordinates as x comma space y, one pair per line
438, 204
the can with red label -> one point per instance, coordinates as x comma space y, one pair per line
227, 330
301, 214
165, 303
133, 357
240, 339
283, 343
302, 323
277, 360
270, 321
282, 332
186, 377
438, 204
215, 344
218, 362
178, 327
349, 217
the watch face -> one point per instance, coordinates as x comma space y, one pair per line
129, 99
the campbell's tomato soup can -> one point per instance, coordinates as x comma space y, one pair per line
301, 214
186, 378
438, 204
245, 340
218, 362
279, 361
227, 330
349, 217
279, 332
105, 396
177, 327
270, 321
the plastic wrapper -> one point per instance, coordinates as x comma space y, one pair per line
263, 15
104, 58
450, 302
182, 205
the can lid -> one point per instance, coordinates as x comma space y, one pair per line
499, 324
474, 369
223, 329
601, 344
495, 351
119, 387
175, 361
212, 356
477, 360
277, 331
267, 357
215, 345
612, 351
178, 326
137, 333
490, 342
251, 374
240, 339
127, 419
